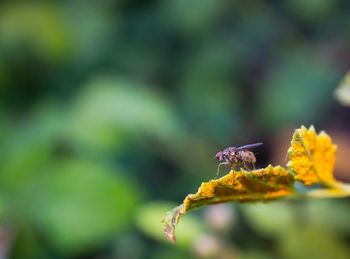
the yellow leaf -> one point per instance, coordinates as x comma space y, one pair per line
259, 185
312, 157
242, 186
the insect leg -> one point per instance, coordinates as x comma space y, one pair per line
233, 167
218, 170
245, 166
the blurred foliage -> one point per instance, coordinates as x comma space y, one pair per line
342, 93
147, 219
300, 75
305, 237
107, 107
110, 107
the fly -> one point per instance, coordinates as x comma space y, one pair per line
237, 156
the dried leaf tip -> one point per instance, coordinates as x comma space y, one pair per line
170, 221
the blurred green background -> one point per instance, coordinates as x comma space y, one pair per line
111, 113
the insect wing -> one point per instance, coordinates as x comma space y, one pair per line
249, 146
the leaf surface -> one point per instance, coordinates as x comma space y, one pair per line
265, 184
312, 157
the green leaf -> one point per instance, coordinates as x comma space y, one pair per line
147, 220
33, 24
291, 84
79, 204
25, 153
262, 217
311, 242
110, 107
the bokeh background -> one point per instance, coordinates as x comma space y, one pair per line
111, 113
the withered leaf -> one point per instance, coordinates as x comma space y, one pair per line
242, 186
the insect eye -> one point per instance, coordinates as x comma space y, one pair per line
218, 156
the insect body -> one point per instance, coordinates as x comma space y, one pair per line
236, 156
